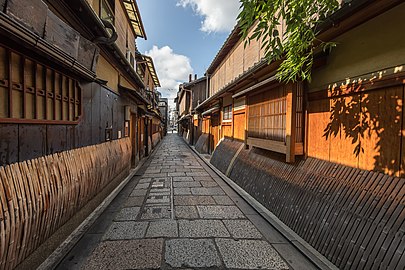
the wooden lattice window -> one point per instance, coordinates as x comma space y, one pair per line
267, 115
31, 92
227, 113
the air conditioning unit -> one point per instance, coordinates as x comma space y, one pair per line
131, 59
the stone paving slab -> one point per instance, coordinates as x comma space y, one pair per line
186, 184
158, 199
242, 229
142, 186
249, 254
145, 180
208, 184
207, 191
182, 191
132, 254
160, 191
134, 201
162, 228
139, 192
126, 230
219, 212
156, 212
183, 179
186, 212
199, 253
223, 200
128, 213
193, 200
202, 228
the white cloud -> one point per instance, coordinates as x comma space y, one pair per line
172, 69
219, 15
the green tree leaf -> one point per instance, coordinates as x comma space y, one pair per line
297, 39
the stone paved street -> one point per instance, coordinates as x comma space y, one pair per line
177, 213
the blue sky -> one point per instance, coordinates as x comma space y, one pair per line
184, 36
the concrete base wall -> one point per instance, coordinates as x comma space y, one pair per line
351, 216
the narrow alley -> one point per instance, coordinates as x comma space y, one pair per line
177, 213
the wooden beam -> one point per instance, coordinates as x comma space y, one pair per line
291, 91
10, 84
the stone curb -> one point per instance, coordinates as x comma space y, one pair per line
306, 249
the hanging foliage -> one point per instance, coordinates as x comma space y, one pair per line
295, 40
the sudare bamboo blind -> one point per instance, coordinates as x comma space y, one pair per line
267, 115
38, 196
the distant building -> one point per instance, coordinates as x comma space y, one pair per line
164, 111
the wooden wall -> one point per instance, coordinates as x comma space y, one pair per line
199, 93
108, 72
239, 124
34, 92
38, 196
361, 129
101, 108
239, 60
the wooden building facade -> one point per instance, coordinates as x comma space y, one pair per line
328, 154
190, 95
78, 108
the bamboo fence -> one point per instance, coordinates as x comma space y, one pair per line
38, 196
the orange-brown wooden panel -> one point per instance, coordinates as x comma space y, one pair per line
227, 130
344, 130
239, 121
215, 130
318, 119
403, 136
381, 130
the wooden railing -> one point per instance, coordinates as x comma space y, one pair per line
38, 196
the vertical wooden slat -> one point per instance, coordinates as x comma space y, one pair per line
10, 84
5, 227
290, 122
24, 88
35, 71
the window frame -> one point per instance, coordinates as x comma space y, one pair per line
227, 113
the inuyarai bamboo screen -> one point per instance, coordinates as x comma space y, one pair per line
32, 92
